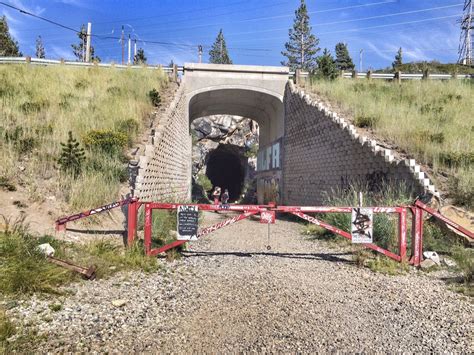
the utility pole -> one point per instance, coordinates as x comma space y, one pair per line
88, 42
135, 48
360, 60
129, 50
123, 49
465, 39
200, 53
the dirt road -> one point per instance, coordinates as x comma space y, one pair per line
230, 294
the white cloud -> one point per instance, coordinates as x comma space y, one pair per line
60, 52
37, 10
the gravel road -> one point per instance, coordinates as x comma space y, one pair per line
229, 294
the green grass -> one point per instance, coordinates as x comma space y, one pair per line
39, 105
24, 270
431, 120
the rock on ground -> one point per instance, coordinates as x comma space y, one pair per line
229, 294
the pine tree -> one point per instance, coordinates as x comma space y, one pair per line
343, 59
8, 46
326, 66
218, 53
398, 60
79, 49
40, 52
302, 47
139, 58
72, 156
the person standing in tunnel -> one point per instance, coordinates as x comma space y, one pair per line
225, 198
216, 194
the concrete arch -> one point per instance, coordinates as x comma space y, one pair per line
261, 105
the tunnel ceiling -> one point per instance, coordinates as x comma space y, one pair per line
265, 109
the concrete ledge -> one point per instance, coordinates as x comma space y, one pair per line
231, 68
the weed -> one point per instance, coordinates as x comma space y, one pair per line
107, 141
155, 97
461, 187
387, 266
365, 121
5, 184
19, 204
55, 307
465, 262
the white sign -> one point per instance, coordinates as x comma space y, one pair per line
188, 218
362, 225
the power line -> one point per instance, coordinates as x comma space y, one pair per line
465, 39
115, 37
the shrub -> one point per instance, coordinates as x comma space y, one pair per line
465, 260
456, 159
204, 181
365, 121
461, 188
155, 97
107, 141
6, 184
72, 156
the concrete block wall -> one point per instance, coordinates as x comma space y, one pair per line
322, 151
165, 169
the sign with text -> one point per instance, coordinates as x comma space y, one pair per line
267, 217
362, 225
188, 218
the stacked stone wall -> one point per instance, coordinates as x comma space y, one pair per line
165, 170
323, 152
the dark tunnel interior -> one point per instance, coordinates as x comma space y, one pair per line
225, 168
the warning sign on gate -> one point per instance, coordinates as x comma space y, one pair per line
188, 217
362, 225
267, 217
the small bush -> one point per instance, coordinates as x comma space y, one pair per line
155, 97
461, 188
205, 183
456, 159
365, 121
5, 184
465, 261
437, 138
30, 107
7, 328
107, 141
387, 266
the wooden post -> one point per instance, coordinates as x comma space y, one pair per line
28, 59
62, 61
175, 73
398, 77
298, 77
354, 74
426, 74
369, 74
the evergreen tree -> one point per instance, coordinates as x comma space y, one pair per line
302, 47
79, 49
40, 52
139, 58
343, 59
326, 66
72, 156
218, 53
8, 46
398, 60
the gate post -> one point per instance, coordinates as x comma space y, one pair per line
402, 234
417, 236
132, 215
147, 234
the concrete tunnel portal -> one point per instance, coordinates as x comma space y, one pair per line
226, 166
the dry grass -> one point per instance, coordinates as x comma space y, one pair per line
431, 120
39, 105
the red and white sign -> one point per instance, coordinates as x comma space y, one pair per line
267, 217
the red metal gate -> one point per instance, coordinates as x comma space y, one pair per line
246, 211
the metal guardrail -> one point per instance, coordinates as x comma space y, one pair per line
406, 76
38, 61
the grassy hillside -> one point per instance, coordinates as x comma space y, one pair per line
103, 108
431, 120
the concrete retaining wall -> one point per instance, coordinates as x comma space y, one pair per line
165, 170
322, 152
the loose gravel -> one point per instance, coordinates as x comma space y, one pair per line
230, 294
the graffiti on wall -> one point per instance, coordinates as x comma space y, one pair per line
269, 157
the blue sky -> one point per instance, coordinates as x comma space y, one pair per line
255, 31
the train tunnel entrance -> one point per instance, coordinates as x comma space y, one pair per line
226, 168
